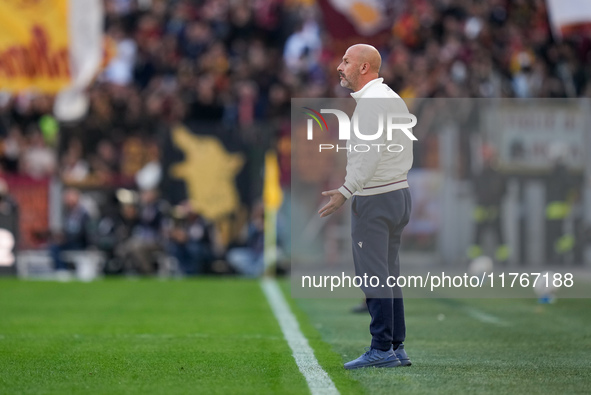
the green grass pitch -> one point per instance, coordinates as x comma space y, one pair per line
218, 336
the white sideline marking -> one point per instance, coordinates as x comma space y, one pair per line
485, 317
318, 380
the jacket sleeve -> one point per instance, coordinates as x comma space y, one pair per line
361, 162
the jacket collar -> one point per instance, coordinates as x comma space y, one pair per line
359, 94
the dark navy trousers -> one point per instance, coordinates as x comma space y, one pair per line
377, 222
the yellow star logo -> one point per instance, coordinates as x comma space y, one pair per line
209, 172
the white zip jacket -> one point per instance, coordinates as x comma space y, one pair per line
376, 171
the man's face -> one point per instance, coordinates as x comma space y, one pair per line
349, 71
71, 199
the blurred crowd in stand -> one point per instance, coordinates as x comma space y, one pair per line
231, 67
142, 232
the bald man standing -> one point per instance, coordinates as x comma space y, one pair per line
381, 203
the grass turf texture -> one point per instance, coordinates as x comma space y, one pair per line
148, 337
496, 346
219, 336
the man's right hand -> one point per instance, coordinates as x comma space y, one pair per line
336, 201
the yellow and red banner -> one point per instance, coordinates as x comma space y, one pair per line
52, 47
570, 17
34, 45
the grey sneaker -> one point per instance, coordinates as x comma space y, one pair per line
401, 355
375, 357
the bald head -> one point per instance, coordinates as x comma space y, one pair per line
361, 64
367, 53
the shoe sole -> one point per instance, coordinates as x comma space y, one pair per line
404, 361
387, 364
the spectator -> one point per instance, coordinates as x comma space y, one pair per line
74, 169
115, 228
302, 47
190, 239
13, 146
139, 252
39, 160
196, 39
74, 235
120, 70
8, 211
249, 259
105, 163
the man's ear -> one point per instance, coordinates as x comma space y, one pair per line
364, 69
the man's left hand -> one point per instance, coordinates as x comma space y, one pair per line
336, 201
